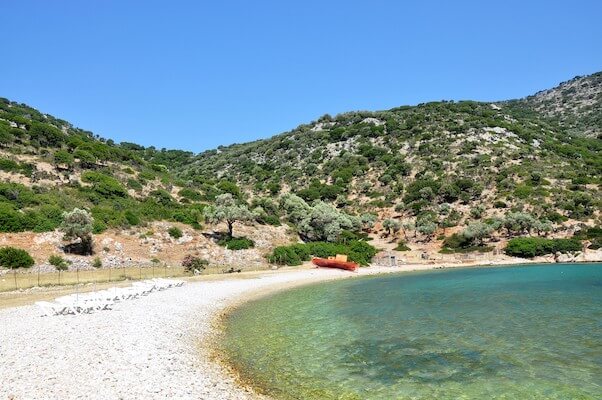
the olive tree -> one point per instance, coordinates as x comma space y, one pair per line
368, 220
77, 227
391, 225
519, 222
227, 210
325, 222
295, 207
426, 228
477, 231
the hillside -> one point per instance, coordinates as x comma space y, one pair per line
575, 105
424, 171
507, 155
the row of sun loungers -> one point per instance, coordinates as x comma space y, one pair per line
104, 299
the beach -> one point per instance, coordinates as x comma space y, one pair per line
158, 346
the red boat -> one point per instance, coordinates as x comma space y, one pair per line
333, 263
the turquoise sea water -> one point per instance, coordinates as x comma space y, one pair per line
528, 332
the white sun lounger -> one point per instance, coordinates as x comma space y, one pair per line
50, 309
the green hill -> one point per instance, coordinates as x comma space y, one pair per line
439, 164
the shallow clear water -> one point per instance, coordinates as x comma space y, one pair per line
528, 332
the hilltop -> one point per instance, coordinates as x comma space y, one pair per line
417, 173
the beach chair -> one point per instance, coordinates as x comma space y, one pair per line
76, 305
144, 287
50, 309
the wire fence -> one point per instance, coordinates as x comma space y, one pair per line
22, 279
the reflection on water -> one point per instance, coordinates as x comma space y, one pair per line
518, 332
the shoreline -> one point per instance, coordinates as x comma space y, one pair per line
211, 349
161, 345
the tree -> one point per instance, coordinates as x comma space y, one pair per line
227, 210
519, 222
325, 222
59, 263
368, 221
408, 226
543, 227
391, 225
476, 232
295, 207
77, 227
426, 228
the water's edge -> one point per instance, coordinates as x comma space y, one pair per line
217, 354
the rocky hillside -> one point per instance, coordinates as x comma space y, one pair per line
534, 155
575, 105
432, 168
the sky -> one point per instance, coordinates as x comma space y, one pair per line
194, 75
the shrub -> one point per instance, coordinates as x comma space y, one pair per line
528, 247
190, 194
461, 243
191, 263
175, 232
237, 243
289, 255
357, 251
132, 218
134, 184
12, 258
63, 157
499, 204
402, 246
58, 262
104, 185
268, 219
97, 262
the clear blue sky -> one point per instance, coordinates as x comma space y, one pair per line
197, 74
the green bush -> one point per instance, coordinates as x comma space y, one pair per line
290, 255
132, 218
402, 246
13, 166
237, 243
97, 262
175, 232
63, 157
357, 251
190, 263
104, 185
58, 262
528, 247
190, 194
12, 258
134, 184
268, 219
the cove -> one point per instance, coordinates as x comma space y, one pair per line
505, 332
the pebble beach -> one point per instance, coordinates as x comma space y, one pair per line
154, 347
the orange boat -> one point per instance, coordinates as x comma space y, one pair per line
334, 263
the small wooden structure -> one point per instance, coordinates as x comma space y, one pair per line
339, 257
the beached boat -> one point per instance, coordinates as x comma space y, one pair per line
334, 263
